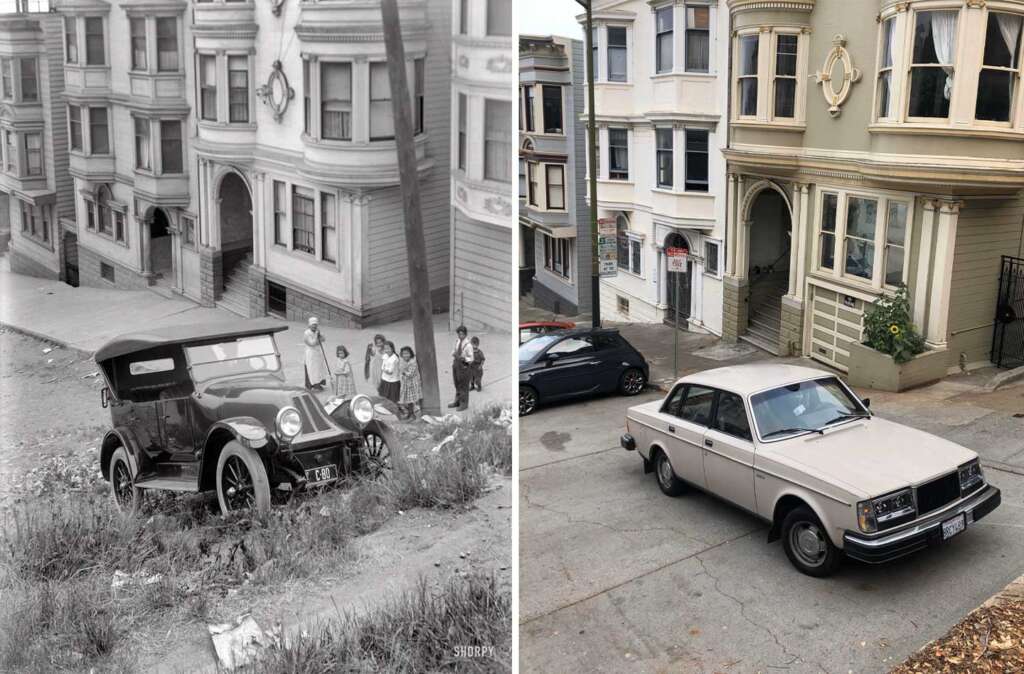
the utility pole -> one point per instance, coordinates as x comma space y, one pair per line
416, 247
595, 264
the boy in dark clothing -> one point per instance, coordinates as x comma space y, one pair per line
476, 373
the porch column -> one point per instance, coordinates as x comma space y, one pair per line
942, 272
146, 247
730, 226
924, 263
801, 260
795, 240
742, 249
259, 232
661, 293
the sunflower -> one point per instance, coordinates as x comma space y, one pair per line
894, 329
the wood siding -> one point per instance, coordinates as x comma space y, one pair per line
482, 292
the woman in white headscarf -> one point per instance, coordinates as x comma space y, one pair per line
315, 361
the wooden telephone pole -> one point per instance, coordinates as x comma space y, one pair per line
416, 247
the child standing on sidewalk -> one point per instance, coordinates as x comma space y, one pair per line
390, 379
411, 399
477, 369
344, 381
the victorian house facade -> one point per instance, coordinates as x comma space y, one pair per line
869, 150
554, 222
482, 201
661, 104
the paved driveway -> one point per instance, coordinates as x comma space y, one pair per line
616, 577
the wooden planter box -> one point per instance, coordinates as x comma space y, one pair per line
873, 369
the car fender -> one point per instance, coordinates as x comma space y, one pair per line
828, 509
120, 436
247, 431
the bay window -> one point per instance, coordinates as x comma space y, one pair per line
303, 220
698, 39
280, 212
531, 174
170, 147
528, 107
932, 59
1000, 70
29, 85
7, 78
747, 77
307, 98
874, 232
551, 98
10, 155
208, 87
895, 243
522, 178
382, 121
33, 154
558, 256
554, 178
785, 75
663, 143
75, 126
697, 160
827, 239
95, 49
861, 219
595, 71
463, 17
167, 44
238, 89
99, 131
142, 158
336, 101
103, 209
499, 17
418, 93
618, 59
618, 154
70, 39
328, 227
119, 226
663, 43
137, 37
885, 92
497, 140
462, 132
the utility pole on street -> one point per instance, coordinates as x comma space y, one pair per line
416, 248
595, 265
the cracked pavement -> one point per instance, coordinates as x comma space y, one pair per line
616, 577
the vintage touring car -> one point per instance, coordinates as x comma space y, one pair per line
206, 407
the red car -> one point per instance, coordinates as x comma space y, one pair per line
528, 331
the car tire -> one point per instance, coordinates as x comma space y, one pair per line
376, 459
632, 382
807, 544
241, 480
527, 400
669, 484
126, 496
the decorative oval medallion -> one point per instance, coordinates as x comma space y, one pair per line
837, 76
276, 92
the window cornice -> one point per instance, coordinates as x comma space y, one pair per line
739, 6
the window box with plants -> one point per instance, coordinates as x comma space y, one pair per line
893, 356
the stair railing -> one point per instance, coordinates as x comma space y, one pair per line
758, 274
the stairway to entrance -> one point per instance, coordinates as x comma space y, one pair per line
765, 310
235, 296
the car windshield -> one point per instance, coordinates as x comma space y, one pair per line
805, 406
529, 350
244, 355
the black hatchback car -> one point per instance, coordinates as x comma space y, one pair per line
578, 362
206, 407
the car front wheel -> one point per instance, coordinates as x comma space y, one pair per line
527, 400
632, 382
807, 544
127, 497
669, 484
241, 480
377, 452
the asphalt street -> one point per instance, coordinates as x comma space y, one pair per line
617, 577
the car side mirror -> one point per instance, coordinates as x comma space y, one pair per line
867, 402
104, 397
551, 357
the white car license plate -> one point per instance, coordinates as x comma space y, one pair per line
954, 526
322, 474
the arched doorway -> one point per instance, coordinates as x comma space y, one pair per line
235, 229
678, 285
768, 257
160, 256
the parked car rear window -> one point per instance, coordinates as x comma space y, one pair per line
731, 418
528, 350
572, 346
813, 404
148, 366
697, 405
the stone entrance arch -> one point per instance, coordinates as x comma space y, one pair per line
685, 282
161, 261
235, 223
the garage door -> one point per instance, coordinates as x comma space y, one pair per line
836, 321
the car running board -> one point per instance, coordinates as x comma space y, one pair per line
171, 484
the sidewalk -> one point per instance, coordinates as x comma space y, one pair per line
85, 318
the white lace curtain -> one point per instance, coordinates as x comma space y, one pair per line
1009, 26
944, 39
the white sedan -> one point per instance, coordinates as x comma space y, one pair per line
796, 447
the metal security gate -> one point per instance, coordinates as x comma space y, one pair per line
1008, 333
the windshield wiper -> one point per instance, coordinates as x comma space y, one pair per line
794, 430
848, 415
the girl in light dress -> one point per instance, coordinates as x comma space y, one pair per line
374, 358
344, 381
411, 400
390, 386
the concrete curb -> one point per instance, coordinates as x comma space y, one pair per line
1012, 592
1004, 378
84, 353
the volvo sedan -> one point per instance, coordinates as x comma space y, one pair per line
797, 448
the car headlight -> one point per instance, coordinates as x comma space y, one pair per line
971, 475
362, 409
885, 509
289, 422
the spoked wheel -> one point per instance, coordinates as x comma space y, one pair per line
127, 497
633, 382
807, 545
377, 454
241, 480
527, 400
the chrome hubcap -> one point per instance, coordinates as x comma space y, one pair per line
808, 543
664, 471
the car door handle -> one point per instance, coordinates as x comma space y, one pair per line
671, 429
708, 443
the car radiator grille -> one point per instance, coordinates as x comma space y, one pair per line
937, 493
314, 419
